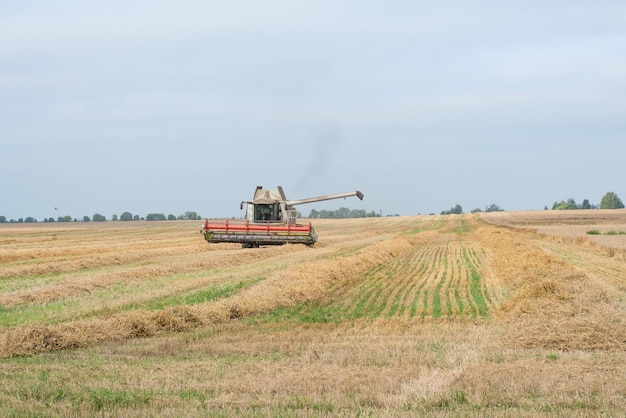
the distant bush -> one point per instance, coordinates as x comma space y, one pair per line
494, 208
458, 210
596, 232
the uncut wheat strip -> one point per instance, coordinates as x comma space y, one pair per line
300, 283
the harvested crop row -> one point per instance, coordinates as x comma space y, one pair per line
587, 259
86, 278
552, 304
93, 259
41, 250
299, 283
138, 285
440, 278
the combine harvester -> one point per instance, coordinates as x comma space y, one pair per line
270, 220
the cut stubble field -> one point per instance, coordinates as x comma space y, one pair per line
492, 314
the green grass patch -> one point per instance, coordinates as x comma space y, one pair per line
596, 232
476, 287
304, 313
201, 296
104, 399
86, 306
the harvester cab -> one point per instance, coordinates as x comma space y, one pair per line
270, 219
267, 206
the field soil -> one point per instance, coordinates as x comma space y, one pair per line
499, 314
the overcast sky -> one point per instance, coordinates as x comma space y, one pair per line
174, 106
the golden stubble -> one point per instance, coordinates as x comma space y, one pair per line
553, 339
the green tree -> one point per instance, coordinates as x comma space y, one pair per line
30, 219
191, 216
3, 219
342, 213
86, 219
99, 218
358, 213
172, 217
611, 201
136, 218
458, 210
155, 217
126, 216
565, 205
586, 204
493, 208
65, 218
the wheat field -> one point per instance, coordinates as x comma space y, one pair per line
499, 314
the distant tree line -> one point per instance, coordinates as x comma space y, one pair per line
457, 209
609, 201
97, 217
341, 213
570, 204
